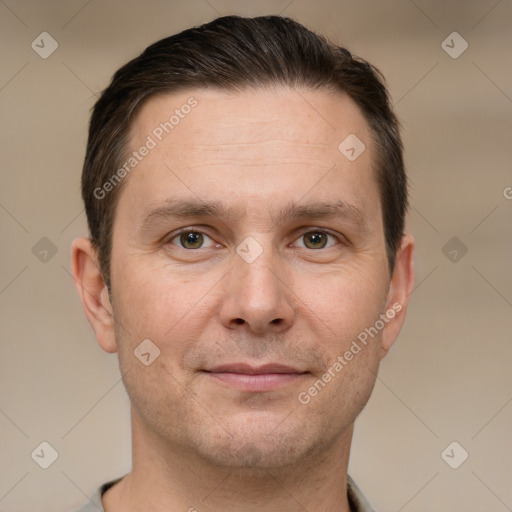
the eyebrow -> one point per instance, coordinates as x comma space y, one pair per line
187, 208
319, 210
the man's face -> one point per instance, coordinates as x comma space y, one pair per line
226, 291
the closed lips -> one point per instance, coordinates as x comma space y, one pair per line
243, 368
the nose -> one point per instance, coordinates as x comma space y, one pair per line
257, 296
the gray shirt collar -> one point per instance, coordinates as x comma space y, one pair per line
356, 499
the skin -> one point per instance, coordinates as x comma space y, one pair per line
199, 443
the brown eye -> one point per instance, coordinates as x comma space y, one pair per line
315, 240
191, 240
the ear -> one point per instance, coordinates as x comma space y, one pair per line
400, 289
93, 292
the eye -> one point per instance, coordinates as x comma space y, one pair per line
317, 240
190, 240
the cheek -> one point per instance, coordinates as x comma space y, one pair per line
343, 303
159, 304
153, 301
337, 396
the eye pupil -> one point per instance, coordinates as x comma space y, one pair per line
191, 239
315, 240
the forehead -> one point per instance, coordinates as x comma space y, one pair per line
315, 121
264, 145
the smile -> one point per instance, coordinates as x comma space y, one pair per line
255, 379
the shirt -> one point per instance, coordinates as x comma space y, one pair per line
356, 499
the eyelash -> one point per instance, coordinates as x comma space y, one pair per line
337, 237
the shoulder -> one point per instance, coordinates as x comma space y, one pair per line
357, 500
94, 503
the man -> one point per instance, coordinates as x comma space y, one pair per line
245, 192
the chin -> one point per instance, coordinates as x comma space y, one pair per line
260, 447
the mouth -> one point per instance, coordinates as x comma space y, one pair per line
249, 378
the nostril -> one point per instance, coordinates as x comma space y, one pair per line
276, 321
239, 321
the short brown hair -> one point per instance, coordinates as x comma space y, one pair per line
234, 53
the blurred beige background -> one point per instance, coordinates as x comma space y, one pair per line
449, 376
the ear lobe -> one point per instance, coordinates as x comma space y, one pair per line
93, 292
400, 289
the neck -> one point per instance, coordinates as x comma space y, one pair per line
167, 478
